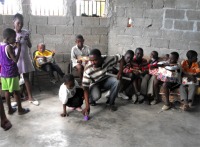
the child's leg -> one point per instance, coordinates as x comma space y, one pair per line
166, 93
80, 69
57, 69
48, 68
191, 92
156, 88
5, 123
28, 86
10, 109
183, 94
21, 110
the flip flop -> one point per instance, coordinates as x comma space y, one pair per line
34, 102
7, 125
25, 110
13, 111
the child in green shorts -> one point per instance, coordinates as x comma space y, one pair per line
9, 70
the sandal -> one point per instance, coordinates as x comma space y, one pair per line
34, 102
13, 111
24, 111
6, 125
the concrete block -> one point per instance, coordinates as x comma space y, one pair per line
36, 39
178, 44
63, 48
193, 15
8, 20
153, 13
138, 22
51, 46
139, 41
124, 40
175, 14
121, 21
41, 20
134, 31
191, 36
186, 4
157, 23
59, 57
154, 33
50, 30
183, 25
91, 39
169, 3
57, 20
1, 19
198, 26
172, 35
1, 30
77, 20
103, 39
195, 46
64, 30
103, 48
99, 31
160, 43
134, 12
158, 4
33, 29
117, 30
90, 21
69, 39
142, 3
120, 11
63, 66
124, 3
82, 30
57, 39
104, 22
168, 24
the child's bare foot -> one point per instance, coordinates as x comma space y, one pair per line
12, 110
23, 111
64, 114
6, 125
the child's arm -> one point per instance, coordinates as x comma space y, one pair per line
28, 41
11, 53
64, 111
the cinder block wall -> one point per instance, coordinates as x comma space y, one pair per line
162, 25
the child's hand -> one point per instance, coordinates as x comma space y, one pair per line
64, 114
45, 59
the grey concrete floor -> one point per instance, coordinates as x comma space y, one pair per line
130, 126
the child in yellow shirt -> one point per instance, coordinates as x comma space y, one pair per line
44, 60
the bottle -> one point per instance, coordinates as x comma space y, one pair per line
129, 24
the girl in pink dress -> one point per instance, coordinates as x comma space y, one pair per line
24, 63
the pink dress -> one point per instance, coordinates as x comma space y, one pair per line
24, 63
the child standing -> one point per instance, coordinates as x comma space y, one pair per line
71, 95
49, 67
77, 51
9, 71
190, 71
24, 64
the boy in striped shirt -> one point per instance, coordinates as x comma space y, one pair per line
95, 78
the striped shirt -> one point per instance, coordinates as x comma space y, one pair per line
92, 74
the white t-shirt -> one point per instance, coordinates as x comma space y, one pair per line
65, 94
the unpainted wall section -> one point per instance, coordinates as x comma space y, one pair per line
162, 25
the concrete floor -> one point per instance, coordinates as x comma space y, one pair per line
130, 126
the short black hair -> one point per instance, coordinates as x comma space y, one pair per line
95, 52
79, 36
18, 16
8, 32
175, 54
130, 52
68, 77
140, 49
191, 53
156, 54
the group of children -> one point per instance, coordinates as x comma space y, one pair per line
144, 76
